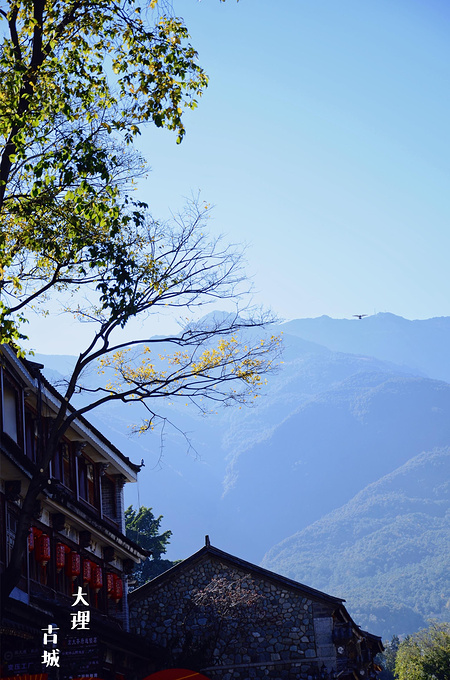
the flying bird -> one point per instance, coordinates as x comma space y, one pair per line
359, 316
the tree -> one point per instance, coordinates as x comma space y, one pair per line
143, 528
388, 657
65, 125
216, 618
425, 655
176, 266
66, 223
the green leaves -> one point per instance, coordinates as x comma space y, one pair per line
425, 655
63, 115
143, 528
67, 219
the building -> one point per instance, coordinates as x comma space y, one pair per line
231, 620
68, 615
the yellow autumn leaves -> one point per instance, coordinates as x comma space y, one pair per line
141, 376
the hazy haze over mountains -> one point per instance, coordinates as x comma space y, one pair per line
356, 401
387, 550
421, 345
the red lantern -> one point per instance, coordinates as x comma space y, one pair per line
73, 565
96, 578
110, 584
42, 552
118, 588
87, 571
60, 556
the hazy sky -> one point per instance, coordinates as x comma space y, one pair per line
323, 142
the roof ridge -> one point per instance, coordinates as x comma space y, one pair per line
241, 563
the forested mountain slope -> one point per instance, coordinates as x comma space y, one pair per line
387, 551
331, 447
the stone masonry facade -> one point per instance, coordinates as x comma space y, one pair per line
273, 633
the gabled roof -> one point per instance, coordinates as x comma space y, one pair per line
212, 552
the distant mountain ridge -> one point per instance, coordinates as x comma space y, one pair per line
420, 345
334, 421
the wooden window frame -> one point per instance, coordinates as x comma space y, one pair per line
7, 380
87, 489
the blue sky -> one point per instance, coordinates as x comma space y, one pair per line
323, 142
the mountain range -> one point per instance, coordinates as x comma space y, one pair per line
387, 550
357, 412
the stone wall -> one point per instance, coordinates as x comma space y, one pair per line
274, 637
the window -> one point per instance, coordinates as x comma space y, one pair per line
11, 528
86, 480
10, 411
63, 581
31, 436
62, 465
40, 571
109, 498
